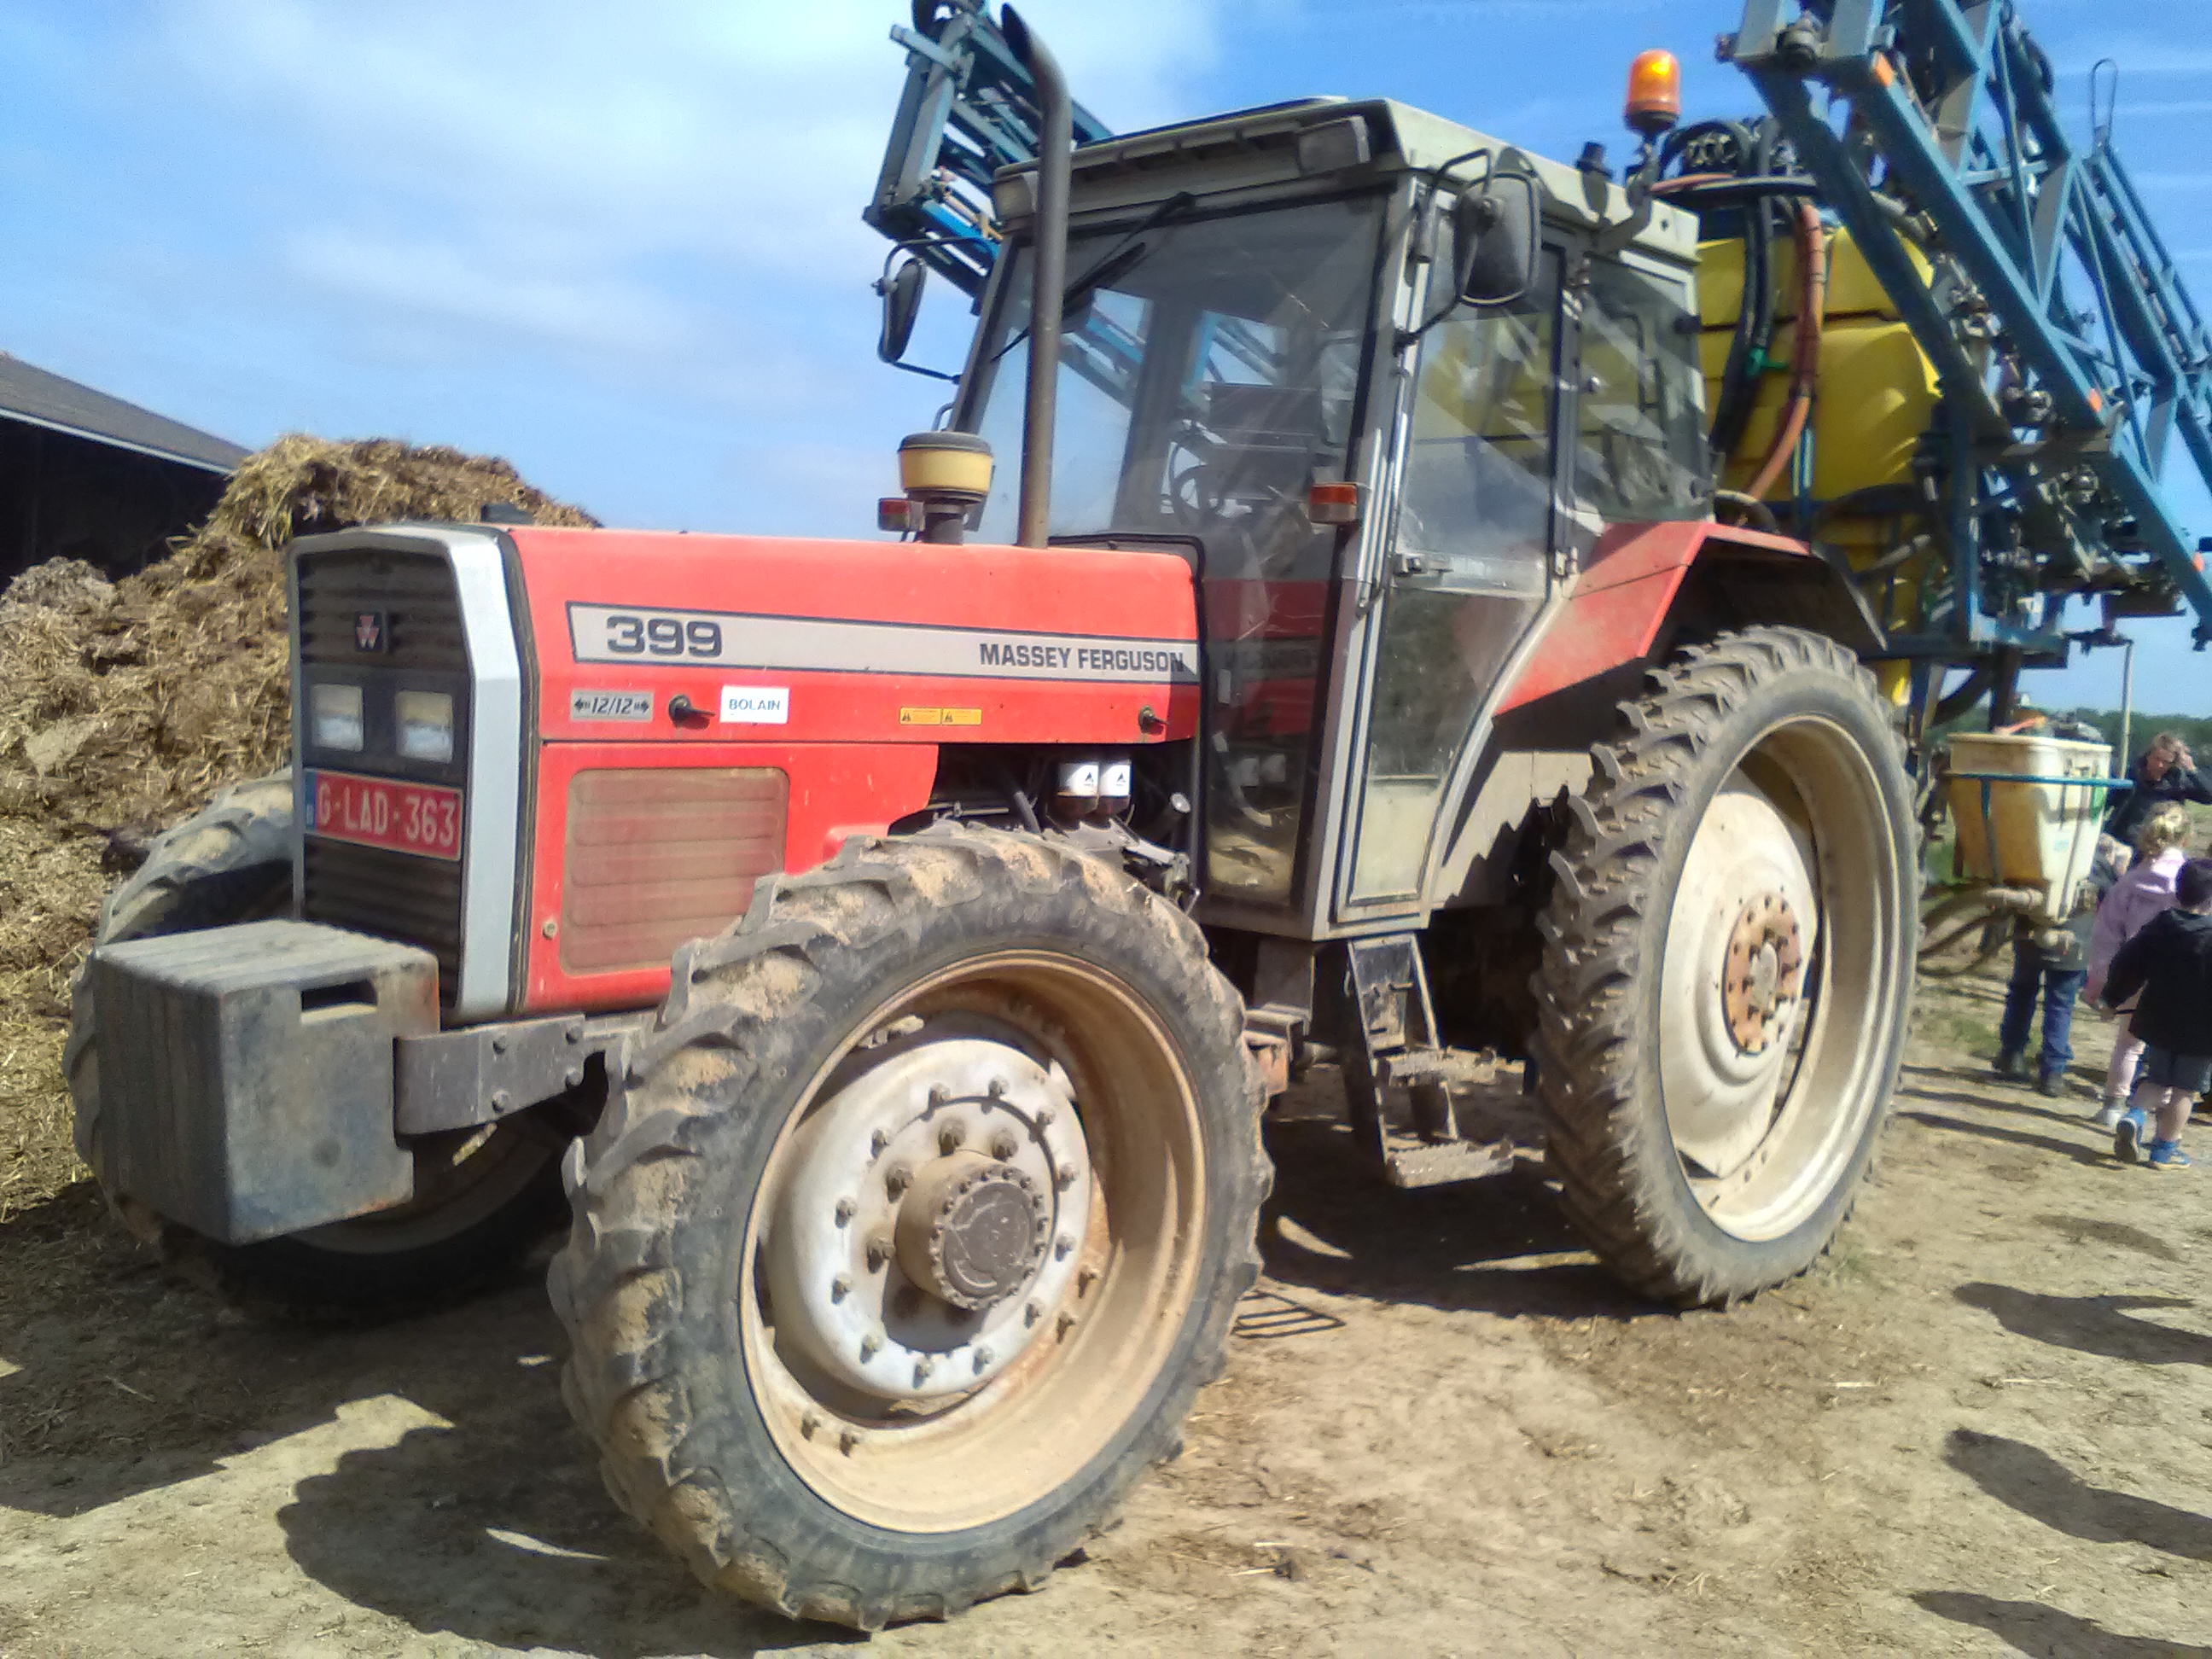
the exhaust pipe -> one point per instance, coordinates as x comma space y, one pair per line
1048, 274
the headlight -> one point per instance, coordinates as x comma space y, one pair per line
426, 725
334, 716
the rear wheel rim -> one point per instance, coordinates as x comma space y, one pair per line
1088, 1324
1778, 982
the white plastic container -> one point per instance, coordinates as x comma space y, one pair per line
2033, 834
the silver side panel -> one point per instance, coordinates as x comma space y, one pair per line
489, 865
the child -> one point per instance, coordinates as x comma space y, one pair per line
2054, 961
2169, 962
2146, 889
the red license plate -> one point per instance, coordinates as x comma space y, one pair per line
406, 817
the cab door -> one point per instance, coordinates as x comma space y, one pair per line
1467, 567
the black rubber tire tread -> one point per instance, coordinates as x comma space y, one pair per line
232, 861
766, 1003
1606, 1142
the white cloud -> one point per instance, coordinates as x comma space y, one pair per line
612, 181
443, 283
748, 132
621, 244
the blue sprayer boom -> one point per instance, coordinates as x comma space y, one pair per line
2062, 423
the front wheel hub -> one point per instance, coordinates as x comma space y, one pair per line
972, 1231
933, 1220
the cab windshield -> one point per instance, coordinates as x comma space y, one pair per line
1210, 374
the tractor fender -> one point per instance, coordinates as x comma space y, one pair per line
1644, 588
1627, 590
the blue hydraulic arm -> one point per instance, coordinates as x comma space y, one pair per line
968, 109
2069, 351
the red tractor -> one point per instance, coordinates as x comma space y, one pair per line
892, 946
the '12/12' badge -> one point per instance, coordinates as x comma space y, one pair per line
610, 705
369, 631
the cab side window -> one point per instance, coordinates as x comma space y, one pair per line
1640, 439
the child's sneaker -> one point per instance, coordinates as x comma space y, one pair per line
2128, 1136
2110, 1113
2168, 1155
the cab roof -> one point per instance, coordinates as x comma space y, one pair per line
1316, 137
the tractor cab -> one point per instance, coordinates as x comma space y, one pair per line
1384, 381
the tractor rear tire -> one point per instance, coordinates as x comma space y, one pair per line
475, 1219
771, 1389
1729, 967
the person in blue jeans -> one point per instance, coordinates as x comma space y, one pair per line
2169, 963
2052, 961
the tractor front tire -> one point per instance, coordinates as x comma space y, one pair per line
1729, 967
907, 1236
480, 1205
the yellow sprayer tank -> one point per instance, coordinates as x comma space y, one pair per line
1875, 398
2030, 835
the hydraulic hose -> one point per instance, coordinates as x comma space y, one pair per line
1751, 507
1754, 319
1812, 303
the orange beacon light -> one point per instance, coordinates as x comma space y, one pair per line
1655, 93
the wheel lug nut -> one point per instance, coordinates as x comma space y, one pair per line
897, 1180
1003, 1147
871, 1345
1067, 1323
997, 1090
1031, 1314
879, 1251
922, 1367
809, 1424
938, 1094
841, 1287
844, 1211
1063, 1178
1044, 1117
877, 1142
846, 1440
949, 1138
1084, 1279
982, 1358
1061, 1246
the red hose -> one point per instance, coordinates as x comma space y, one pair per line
1805, 368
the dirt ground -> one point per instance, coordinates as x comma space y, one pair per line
1985, 1425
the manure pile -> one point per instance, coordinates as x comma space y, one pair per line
124, 705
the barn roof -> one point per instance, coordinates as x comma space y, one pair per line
41, 398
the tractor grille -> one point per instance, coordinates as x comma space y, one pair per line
395, 895
413, 592
657, 856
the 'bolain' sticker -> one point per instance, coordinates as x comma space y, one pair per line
756, 705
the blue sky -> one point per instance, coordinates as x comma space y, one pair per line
621, 244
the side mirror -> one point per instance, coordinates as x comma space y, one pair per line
901, 292
1495, 237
